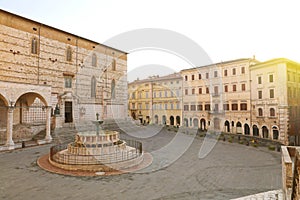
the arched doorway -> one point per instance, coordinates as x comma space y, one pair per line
216, 123
246, 129
172, 121
133, 115
178, 120
227, 126
275, 133
202, 124
196, 123
186, 122
156, 119
164, 120
255, 130
3, 111
265, 132
239, 128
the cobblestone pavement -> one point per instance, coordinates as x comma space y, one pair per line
229, 171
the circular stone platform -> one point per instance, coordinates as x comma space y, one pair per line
45, 164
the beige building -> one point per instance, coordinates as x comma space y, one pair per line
156, 100
217, 96
49, 77
275, 100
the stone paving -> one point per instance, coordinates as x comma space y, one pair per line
229, 171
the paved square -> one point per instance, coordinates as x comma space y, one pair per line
229, 171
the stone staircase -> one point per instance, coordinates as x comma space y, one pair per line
270, 195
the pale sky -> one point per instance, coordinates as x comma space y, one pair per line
225, 29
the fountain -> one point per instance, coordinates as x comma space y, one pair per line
99, 151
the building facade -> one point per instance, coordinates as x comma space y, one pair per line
275, 100
217, 96
156, 100
55, 78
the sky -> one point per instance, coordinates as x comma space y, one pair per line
225, 29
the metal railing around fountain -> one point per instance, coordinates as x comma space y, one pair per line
106, 158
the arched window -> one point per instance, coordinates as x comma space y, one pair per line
94, 60
69, 54
260, 112
113, 85
113, 67
272, 112
93, 87
34, 46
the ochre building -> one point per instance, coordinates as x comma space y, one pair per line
50, 78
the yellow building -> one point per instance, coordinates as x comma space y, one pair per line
275, 99
49, 76
156, 100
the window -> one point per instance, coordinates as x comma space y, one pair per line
243, 70
113, 65
166, 93
193, 77
200, 90
233, 88
233, 71
234, 106
207, 90
193, 91
259, 94
34, 46
207, 76
186, 107
199, 76
113, 91
159, 93
140, 95
207, 107
199, 107
215, 74
186, 92
226, 88
147, 94
172, 107
272, 112
166, 106
193, 107
259, 80
94, 60
271, 78
133, 95
93, 87
243, 87
69, 54
226, 106
133, 105
216, 90
225, 72
243, 106
216, 107
177, 105
185, 78
140, 106
260, 112
68, 81
147, 106
271, 93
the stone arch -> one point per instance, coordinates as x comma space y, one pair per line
265, 132
239, 129
156, 119
227, 126
3, 110
178, 120
195, 122
275, 133
164, 120
186, 122
202, 124
255, 130
171, 120
246, 129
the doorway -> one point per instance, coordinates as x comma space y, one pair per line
68, 112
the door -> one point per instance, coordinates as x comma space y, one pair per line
68, 112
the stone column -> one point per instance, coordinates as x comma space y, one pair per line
48, 137
9, 128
